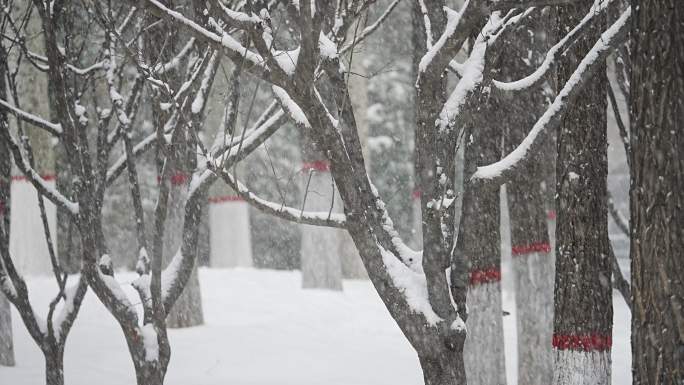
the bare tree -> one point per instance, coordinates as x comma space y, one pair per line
413, 285
657, 202
90, 144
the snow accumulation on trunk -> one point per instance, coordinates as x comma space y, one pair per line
412, 284
149, 338
230, 236
483, 352
576, 367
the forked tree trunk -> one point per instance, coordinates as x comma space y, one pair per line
583, 307
657, 201
480, 241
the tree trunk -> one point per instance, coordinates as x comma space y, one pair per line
187, 311
148, 373
442, 369
583, 307
54, 366
532, 259
321, 266
657, 201
480, 241
6, 342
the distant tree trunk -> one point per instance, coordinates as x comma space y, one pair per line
532, 256
480, 242
187, 311
657, 201
583, 307
321, 265
6, 340
320, 252
352, 266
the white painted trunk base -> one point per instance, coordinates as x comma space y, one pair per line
320, 252
229, 233
483, 352
533, 278
573, 367
28, 246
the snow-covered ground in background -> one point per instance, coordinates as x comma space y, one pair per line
262, 328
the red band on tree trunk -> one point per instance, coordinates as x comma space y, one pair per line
226, 198
492, 274
531, 248
318, 165
177, 179
587, 342
416, 194
23, 178
551, 214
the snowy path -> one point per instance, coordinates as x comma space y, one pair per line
262, 329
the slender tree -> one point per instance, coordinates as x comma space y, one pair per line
657, 201
6, 337
583, 307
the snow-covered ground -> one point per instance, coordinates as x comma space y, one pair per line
262, 328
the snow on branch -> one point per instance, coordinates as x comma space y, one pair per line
322, 218
502, 170
38, 182
495, 5
457, 30
453, 19
76, 70
228, 45
554, 53
471, 76
53, 128
293, 110
234, 152
163, 68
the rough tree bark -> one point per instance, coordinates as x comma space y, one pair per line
657, 201
532, 258
6, 340
583, 307
187, 311
479, 240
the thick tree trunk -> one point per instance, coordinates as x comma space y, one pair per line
54, 366
657, 201
442, 369
480, 241
583, 307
